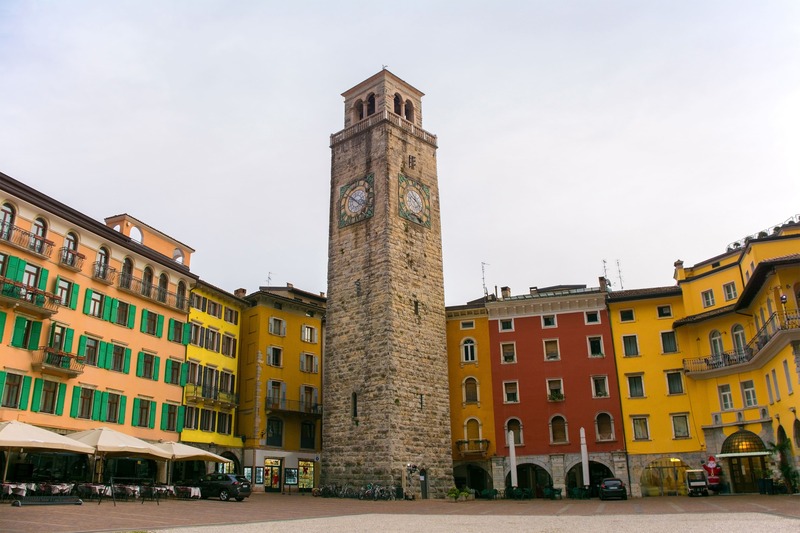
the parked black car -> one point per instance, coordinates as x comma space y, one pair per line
612, 487
224, 486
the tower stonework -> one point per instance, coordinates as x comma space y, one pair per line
385, 364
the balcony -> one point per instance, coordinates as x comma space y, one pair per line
103, 273
759, 347
294, 406
201, 393
152, 292
473, 447
71, 259
57, 362
36, 301
25, 240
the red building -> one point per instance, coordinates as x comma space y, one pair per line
553, 372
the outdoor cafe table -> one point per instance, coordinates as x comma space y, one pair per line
17, 489
187, 492
56, 488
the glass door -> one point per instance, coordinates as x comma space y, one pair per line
272, 475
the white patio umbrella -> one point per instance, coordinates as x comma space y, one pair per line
19, 435
184, 452
110, 443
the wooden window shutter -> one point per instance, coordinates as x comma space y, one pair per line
62, 393
73, 296
131, 316
135, 414
36, 401
76, 398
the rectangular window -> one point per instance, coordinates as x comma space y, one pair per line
769, 389
150, 325
198, 302
555, 390
118, 358
49, 395
176, 329
112, 414
213, 340
664, 311
549, 321
749, 393
467, 324
509, 352
730, 291
626, 315
146, 367
96, 305
786, 373
708, 298
599, 386
592, 317
143, 414
775, 385
123, 313
224, 423
207, 420
172, 373
725, 397
308, 363
669, 343
309, 334
85, 403
274, 356
636, 386
510, 392
674, 383
91, 351
226, 381
551, 352
630, 345
228, 345
277, 327
170, 413
641, 429
680, 426
11, 391
231, 316
595, 346
214, 309
64, 291
190, 418
197, 336
507, 324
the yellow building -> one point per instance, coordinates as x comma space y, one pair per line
211, 374
471, 412
281, 387
736, 339
84, 315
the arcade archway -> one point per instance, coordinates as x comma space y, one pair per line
664, 477
532, 477
472, 476
597, 473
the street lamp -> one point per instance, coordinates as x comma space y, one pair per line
785, 318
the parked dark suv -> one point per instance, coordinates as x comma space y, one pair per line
224, 486
612, 487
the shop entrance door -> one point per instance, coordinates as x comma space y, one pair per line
272, 475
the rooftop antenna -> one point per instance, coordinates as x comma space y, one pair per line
269, 279
483, 277
605, 273
619, 275
385, 67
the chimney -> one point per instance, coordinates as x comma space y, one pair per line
289, 285
680, 273
240, 293
603, 284
505, 292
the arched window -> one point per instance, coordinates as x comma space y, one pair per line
715, 338
370, 104
558, 429
180, 298
604, 426
409, 111
101, 266
163, 285
472, 429
739, 339
177, 256
515, 426
471, 390
274, 431
468, 351
398, 104
127, 273
358, 110
38, 235
69, 253
147, 281
136, 234
7, 214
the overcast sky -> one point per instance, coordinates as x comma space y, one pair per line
570, 132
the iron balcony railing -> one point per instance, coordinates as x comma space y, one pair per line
70, 258
153, 292
25, 239
202, 392
102, 272
56, 361
473, 446
294, 406
777, 322
33, 298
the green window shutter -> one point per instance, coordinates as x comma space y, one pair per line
156, 362
87, 301
19, 332
36, 401
112, 316
160, 326
25, 393
135, 414
152, 415
170, 327
123, 401
43, 274
107, 304
55, 285
131, 316
82, 345
102, 352
139, 364
68, 336
184, 373
2, 324
97, 405
104, 407
127, 366
187, 333
62, 393
76, 398
167, 369
164, 411
73, 297
11, 268
143, 325
181, 415
36, 333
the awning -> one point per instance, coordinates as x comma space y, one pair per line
743, 454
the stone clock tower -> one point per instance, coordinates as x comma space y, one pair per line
385, 366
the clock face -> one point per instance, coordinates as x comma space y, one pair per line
356, 200
414, 201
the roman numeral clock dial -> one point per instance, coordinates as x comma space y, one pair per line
415, 201
356, 201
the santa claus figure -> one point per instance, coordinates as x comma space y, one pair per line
713, 471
